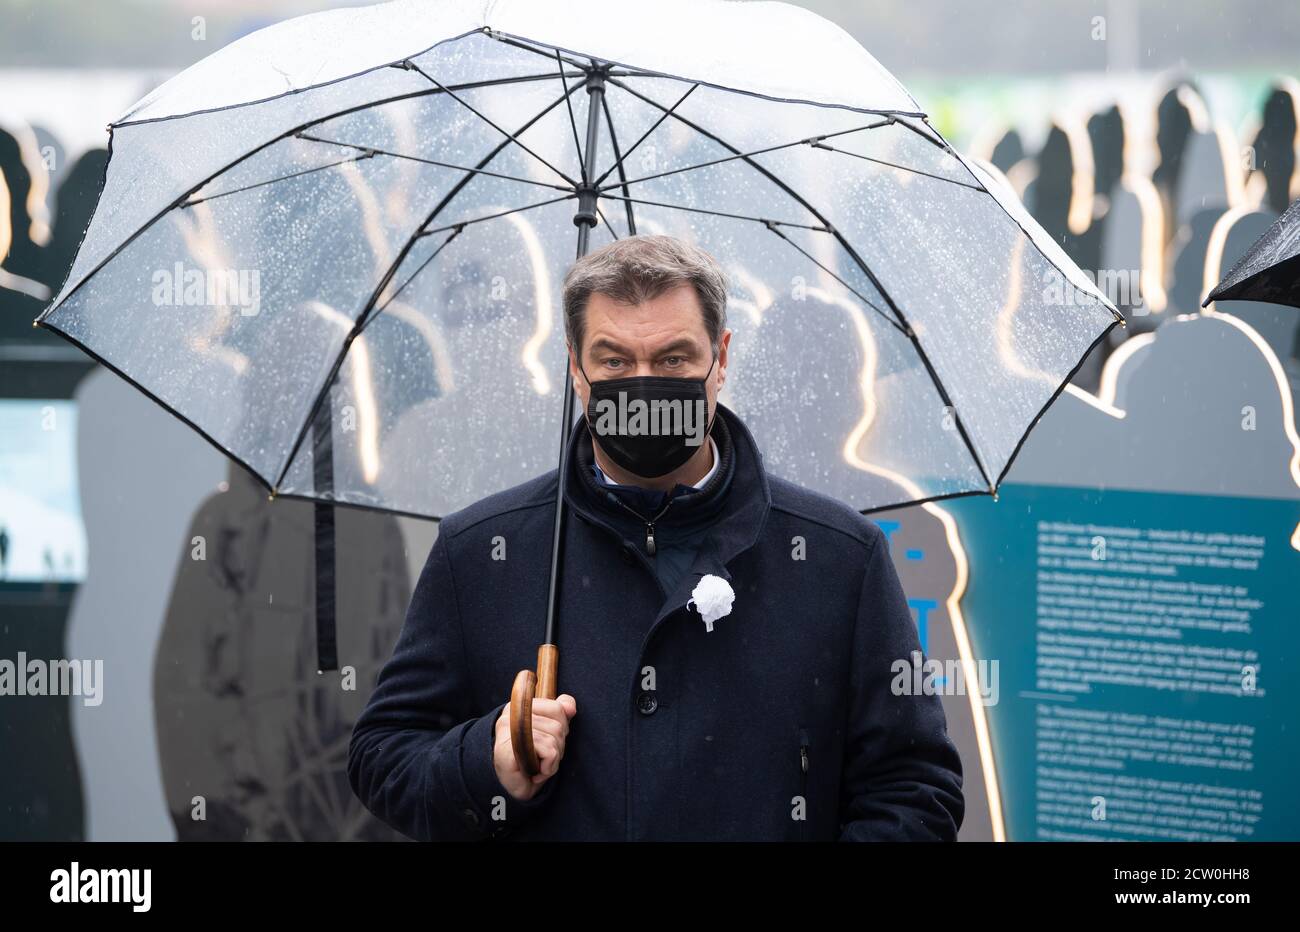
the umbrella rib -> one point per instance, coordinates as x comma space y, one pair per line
402, 287
716, 213
510, 136
769, 175
573, 122
191, 202
939, 143
915, 171
415, 158
601, 214
942, 497
1052, 400
507, 39
274, 97
861, 297
814, 141
369, 508
943, 144
357, 108
461, 224
502, 37
866, 270
663, 116
383, 282
613, 139
632, 71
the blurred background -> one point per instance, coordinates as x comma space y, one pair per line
1154, 140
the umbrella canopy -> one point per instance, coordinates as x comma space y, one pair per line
334, 248
1270, 269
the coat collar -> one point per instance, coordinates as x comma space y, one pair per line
736, 529
683, 511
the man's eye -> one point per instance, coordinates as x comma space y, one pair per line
612, 363
673, 362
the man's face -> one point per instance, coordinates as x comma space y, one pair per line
664, 336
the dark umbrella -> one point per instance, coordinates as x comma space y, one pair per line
1270, 269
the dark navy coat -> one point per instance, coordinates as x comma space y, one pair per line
779, 724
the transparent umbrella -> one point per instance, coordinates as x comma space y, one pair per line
334, 249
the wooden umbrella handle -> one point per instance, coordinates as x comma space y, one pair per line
528, 686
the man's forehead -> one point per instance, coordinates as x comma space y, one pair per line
680, 298
672, 320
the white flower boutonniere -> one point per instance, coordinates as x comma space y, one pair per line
712, 598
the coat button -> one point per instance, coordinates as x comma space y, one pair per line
628, 556
470, 816
646, 702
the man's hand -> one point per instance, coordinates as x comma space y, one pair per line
550, 728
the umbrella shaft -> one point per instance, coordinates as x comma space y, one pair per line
585, 219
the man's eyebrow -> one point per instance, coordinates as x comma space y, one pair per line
605, 343
685, 343
677, 346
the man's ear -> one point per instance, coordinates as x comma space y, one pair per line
573, 366
724, 342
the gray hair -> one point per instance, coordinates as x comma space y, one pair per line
636, 269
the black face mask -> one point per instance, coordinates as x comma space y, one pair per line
648, 420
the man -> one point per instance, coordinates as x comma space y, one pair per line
775, 721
